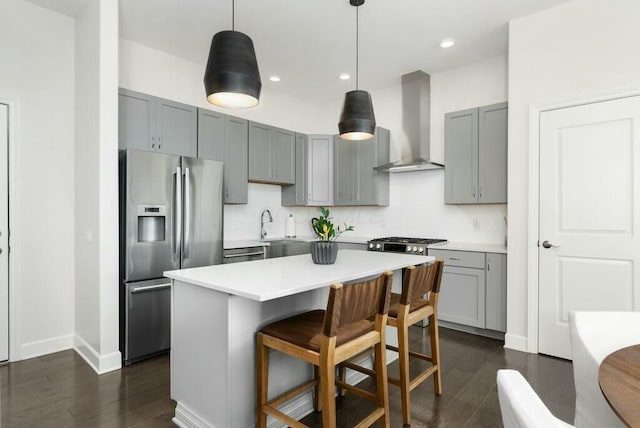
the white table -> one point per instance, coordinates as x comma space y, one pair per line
216, 311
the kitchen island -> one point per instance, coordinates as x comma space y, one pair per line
216, 311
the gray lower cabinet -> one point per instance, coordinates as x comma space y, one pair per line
271, 154
356, 181
225, 138
462, 296
473, 291
150, 123
314, 172
476, 155
496, 292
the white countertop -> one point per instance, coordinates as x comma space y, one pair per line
229, 245
269, 279
465, 246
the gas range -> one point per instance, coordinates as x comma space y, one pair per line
397, 244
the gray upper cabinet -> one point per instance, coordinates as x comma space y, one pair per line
461, 157
236, 172
271, 154
320, 170
492, 154
177, 126
283, 156
357, 182
314, 172
296, 194
150, 123
225, 138
345, 156
136, 120
260, 152
476, 155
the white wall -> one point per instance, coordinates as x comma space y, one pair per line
96, 185
580, 50
37, 76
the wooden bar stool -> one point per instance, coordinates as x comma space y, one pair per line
407, 309
354, 321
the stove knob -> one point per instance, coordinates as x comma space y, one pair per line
378, 246
370, 245
415, 249
408, 248
420, 249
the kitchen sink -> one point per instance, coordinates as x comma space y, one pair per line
286, 247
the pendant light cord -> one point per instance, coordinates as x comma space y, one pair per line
233, 15
357, 44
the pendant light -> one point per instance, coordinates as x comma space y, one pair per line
232, 78
357, 121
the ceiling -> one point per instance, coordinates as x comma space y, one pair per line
308, 43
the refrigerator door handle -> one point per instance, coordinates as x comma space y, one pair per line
177, 223
187, 213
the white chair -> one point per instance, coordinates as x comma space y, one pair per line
594, 335
520, 405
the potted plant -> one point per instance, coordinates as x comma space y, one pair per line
325, 250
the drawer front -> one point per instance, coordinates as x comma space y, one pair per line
237, 255
459, 258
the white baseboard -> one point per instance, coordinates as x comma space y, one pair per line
99, 363
47, 346
187, 418
516, 342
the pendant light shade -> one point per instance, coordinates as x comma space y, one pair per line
232, 78
357, 121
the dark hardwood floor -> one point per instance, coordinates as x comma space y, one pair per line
60, 390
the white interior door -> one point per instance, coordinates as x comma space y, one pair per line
589, 215
4, 233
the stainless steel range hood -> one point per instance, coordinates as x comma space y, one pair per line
416, 123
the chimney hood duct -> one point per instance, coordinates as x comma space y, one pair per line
416, 122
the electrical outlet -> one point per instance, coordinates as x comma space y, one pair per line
476, 224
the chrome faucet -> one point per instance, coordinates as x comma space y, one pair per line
263, 232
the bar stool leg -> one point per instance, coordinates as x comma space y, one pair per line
403, 359
382, 385
317, 391
342, 373
328, 381
263, 381
435, 352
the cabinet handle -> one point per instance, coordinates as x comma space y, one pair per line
474, 192
488, 267
454, 258
481, 192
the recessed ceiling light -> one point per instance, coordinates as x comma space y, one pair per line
345, 76
274, 78
447, 43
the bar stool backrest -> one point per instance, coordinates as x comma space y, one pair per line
421, 280
356, 302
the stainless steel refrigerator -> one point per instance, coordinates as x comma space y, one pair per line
171, 210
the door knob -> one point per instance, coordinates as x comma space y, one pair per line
547, 244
